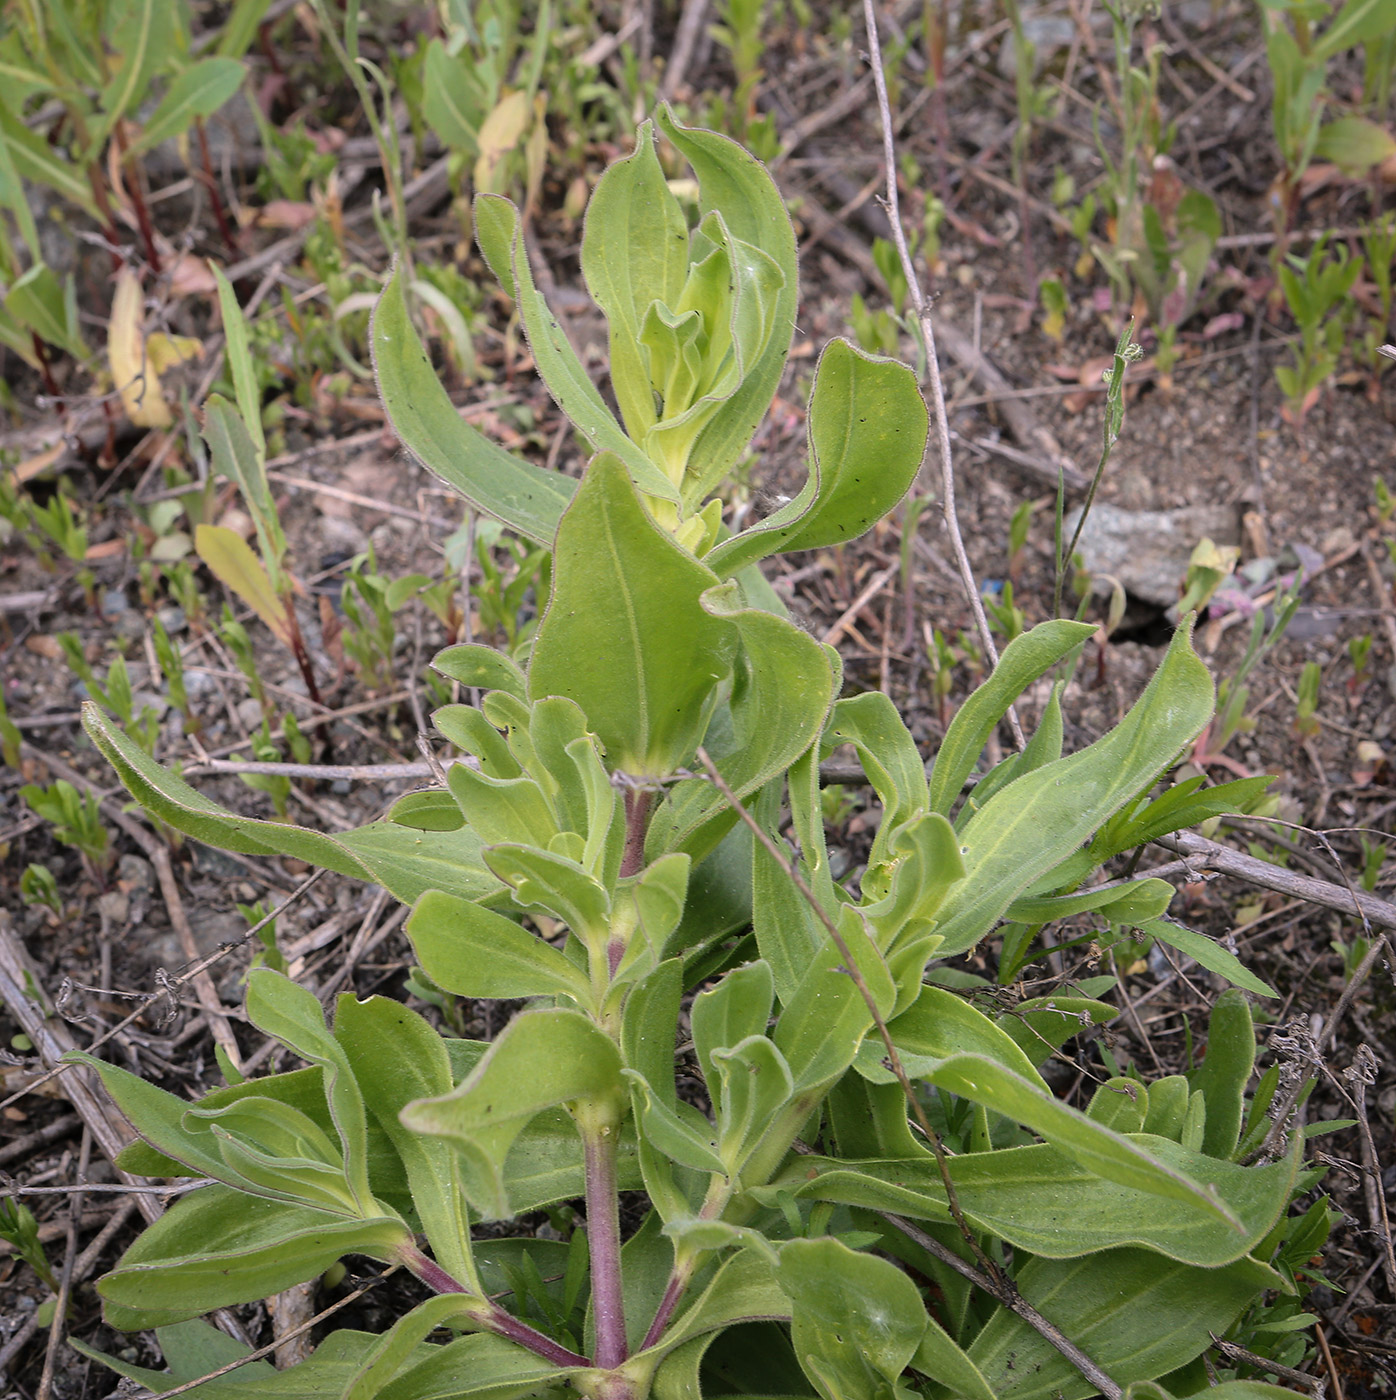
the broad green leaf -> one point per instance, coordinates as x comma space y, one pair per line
398, 1058
144, 32
1225, 1071
1135, 1315
217, 1247
926, 866
625, 636
1207, 953
480, 666
1356, 145
1024, 659
199, 91
244, 19
231, 560
939, 1024
755, 1085
647, 1027
857, 1319
543, 1059
498, 233
1120, 1103
743, 1289
395, 1348
406, 862
824, 1023
1109, 1155
34, 159
1037, 822
527, 498
944, 1361
37, 300
293, 1015
738, 1007
478, 1367
1045, 746
677, 1130
473, 952
783, 686
788, 934
194, 1349
454, 99
236, 443
1042, 1200
158, 1117
1133, 904
556, 885
735, 183
429, 810
867, 436
889, 757
634, 253
1358, 22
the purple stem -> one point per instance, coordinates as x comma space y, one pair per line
603, 1237
665, 1310
495, 1319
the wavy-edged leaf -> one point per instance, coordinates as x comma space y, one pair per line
544, 1059
398, 1058
1042, 1200
1023, 660
867, 435
1108, 1154
527, 498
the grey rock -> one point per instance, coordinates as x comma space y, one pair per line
1148, 550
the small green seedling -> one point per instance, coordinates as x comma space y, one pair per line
76, 819
20, 1231
1316, 288
1306, 706
38, 886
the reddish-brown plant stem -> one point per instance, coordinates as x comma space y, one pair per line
46, 370
134, 189
637, 813
603, 1240
498, 1321
210, 181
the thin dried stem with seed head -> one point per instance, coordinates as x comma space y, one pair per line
937, 388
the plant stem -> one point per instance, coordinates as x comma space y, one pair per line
491, 1316
211, 184
637, 812
603, 1239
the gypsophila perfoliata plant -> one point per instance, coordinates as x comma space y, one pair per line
591, 863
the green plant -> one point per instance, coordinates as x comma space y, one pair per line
87, 67
58, 523
238, 446
114, 693
1299, 55
38, 886
276, 785
370, 634
261, 918
1233, 693
1306, 706
76, 819
10, 737
1374, 855
171, 662
1316, 291
1379, 245
616, 857
20, 1230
